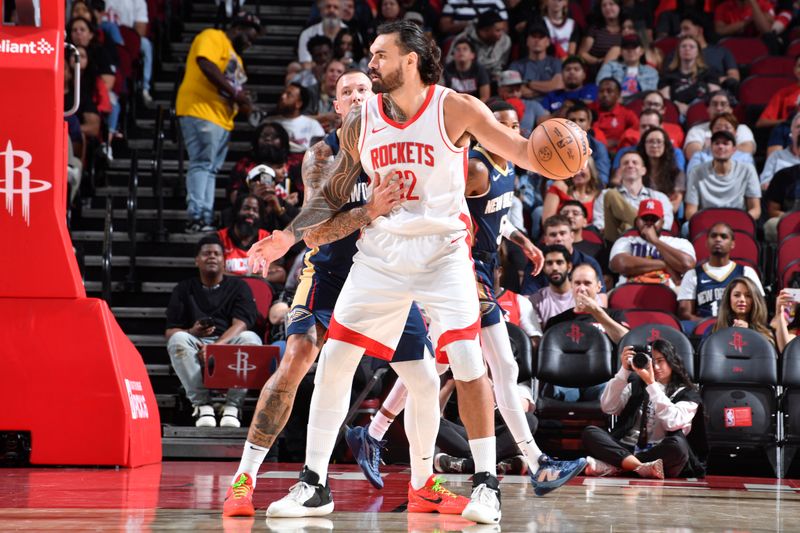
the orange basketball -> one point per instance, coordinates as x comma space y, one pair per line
558, 148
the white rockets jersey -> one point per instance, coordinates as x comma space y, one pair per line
432, 171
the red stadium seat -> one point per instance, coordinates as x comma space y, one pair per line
738, 219
772, 66
591, 236
788, 253
701, 328
697, 113
262, 294
638, 317
791, 269
794, 48
745, 49
646, 296
757, 90
789, 224
746, 249
671, 113
666, 45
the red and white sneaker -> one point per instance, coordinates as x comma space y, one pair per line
239, 499
435, 498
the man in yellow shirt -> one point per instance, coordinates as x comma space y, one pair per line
210, 96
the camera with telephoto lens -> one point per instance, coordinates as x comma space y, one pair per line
641, 356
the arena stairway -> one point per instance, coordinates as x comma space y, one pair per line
164, 258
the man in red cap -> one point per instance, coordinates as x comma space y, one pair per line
651, 257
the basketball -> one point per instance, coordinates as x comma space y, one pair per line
558, 148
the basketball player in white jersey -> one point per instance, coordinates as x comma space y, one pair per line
415, 133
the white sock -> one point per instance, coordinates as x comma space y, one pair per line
484, 454
252, 457
395, 402
422, 415
500, 358
329, 402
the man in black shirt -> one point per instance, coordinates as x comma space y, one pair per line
782, 196
209, 309
464, 74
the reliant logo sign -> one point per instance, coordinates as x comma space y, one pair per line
40, 47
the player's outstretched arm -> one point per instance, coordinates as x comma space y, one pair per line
337, 181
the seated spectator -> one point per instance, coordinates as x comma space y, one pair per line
458, 14
573, 73
556, 230
783, 104
242, 233
208, 309
656, 411
649, 119
654, 101
132, 14
323, 95
688, 78
723, 122
785, 157
585, 291
636, 27
540, 71
669, 21
321, 50
556, 297
663, 173
650, 256
584, 187
632, 75
746, 18
616, 209
270, 183
509, 88
699, 136
303, 130
612, 117
329, 26
349, 49
723, 182
742, 306
266, 138
489, 38
580, 114
782, 196
779, 137
717, 58
576, 212
463, 74
602, 42
388, 11
702, 287
85, 124
564, 32
787, 320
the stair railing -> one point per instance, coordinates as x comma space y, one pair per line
131, 283
108, 235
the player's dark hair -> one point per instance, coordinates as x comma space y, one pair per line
212, 238
557, 249
411, 38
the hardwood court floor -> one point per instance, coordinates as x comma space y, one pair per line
187, 496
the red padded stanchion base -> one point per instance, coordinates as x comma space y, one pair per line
74, 380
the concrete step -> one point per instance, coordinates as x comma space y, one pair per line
142, 261
119, 286
139, 312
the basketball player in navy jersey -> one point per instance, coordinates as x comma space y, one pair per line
327, 267
416, 133
489, 192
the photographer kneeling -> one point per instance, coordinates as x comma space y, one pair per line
655, 410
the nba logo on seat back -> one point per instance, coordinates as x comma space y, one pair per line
16, 180
242, 366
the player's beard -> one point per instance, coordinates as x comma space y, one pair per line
389, 82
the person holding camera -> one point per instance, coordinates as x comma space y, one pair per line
657, 404
208, 309
269, 181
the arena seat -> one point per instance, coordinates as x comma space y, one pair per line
700, 329
697, 113
522, 350
745, 50
704, 219
666, 44
262, 294
794, 48
772, 66
739, 376
788, 253
573, 354
671, 113
788, 272
746, 249
755, 91
790, 402
591, 236
639, 317
790, 223
647, 333
649, 296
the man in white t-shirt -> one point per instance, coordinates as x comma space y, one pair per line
303, 130
703, 286
651, 257
556, 297
133, 14
699, 135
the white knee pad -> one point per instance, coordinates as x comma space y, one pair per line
466, 360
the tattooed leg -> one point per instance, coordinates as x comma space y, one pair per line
277, 396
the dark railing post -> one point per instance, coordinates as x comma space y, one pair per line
133, 205
108, 234
158, 180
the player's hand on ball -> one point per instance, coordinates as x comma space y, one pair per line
268, 250
386, 195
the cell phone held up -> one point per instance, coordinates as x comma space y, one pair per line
206, 322
263, 174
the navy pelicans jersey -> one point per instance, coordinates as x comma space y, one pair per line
709, 289
431, 170
490, 208
336, 258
